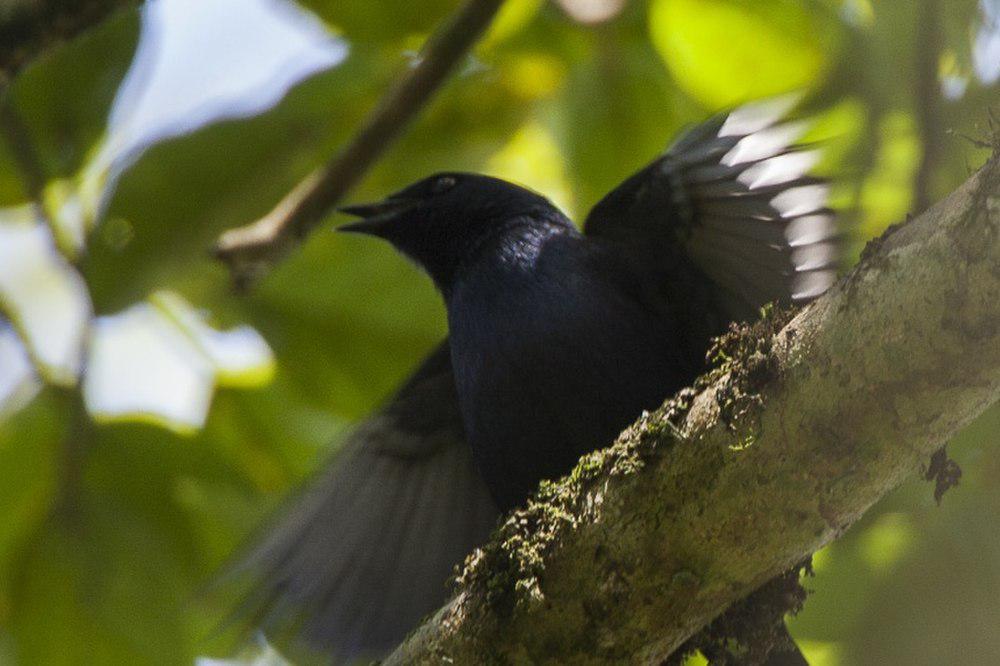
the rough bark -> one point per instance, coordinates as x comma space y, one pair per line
28, 27
701, 502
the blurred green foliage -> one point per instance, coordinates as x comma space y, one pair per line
108, 533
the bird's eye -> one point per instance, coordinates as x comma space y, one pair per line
443, 184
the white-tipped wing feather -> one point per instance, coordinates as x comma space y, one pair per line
734, 196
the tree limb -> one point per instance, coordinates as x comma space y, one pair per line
701, 502
252, 249
28, 27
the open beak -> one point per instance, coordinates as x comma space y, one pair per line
376, 217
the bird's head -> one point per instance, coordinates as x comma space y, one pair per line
441, 220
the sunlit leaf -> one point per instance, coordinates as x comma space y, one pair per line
142, 367
531, 76
69, 215
199, 62
227, 180
533, 158
887, 540
837, 130
887, 193
42, 294
615, 115
728, 51
696, 659
512, 17
821, 653
159, 361
239, 356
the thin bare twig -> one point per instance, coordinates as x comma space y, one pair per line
251, 250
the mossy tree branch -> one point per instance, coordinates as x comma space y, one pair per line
701, 502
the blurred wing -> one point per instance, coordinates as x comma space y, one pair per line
733, 197
365, 552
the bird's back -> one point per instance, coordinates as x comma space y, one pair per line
556, 347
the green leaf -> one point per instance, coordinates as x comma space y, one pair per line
722, 52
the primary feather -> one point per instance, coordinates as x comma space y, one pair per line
365, 551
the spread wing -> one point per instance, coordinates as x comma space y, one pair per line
732, 199
365, 551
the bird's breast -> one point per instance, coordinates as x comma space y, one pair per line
551, 361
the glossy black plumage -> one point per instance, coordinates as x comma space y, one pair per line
558, 339
556, 346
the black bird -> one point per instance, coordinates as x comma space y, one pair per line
557, 340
